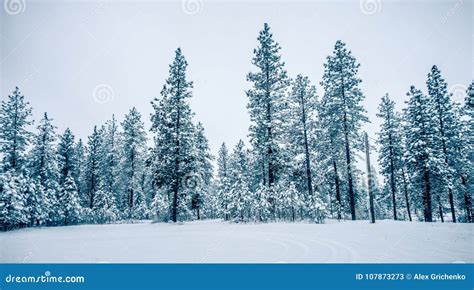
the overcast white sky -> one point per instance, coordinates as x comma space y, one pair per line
58, 53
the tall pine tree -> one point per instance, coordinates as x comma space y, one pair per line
421, 151
174, 134
343, 99
391, 152
267, 106
133, 150
15, 116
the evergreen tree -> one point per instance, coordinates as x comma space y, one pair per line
80, 178
223, 183
43, 162
93, 159
303, 105
447, 129
36, 203
104, 209
343, 99
13, 204
267, 107
239, 206
467, 169
203, 168
69, 202
14, 136
391, 152
110, 165
160, 206
421, 151
174, 140
43, 165
133, 150
67, 159
330, 157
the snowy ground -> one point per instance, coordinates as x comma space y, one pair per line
217, 241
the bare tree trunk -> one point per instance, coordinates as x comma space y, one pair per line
467, 200
427, 196
369, 180
405, 189
440, 208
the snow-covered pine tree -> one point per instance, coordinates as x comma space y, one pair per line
37, 203
291, 202
223, 183
160, 206
330, 157
240, 197
13, 203
301, 134
110, 165
15, 116
467, 151
66, 156
174, 134
421, 146
267, 106
404, 176
91, 174
43, 164
447, 130
261, 207
390, 148
80, 152
343, 99
203, 168
133, 150
69, 205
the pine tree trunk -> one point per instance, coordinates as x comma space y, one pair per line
440, 208
349, 178
369, 180
392, 179
427, 196
338, 190
174, 208
306, 149
467, 200
130, 202
405, 189
348, 165
451, 204
445, 151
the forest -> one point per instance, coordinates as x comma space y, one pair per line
301, 163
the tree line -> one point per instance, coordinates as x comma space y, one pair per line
301, 163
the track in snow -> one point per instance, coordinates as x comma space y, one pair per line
222, 242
